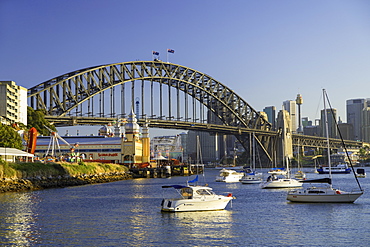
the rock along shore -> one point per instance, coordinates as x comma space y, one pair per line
60, 181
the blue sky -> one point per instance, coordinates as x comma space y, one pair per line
267, 51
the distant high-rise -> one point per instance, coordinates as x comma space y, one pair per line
271, 115
366, 122
354, 112
291, 106
332, 116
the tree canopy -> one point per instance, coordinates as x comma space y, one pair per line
9, 137
36, 118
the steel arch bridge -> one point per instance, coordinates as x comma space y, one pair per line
164, 94
74, 91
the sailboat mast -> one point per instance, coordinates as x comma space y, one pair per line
254, 152
327, 132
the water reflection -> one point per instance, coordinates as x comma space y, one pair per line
193, 225
18, 218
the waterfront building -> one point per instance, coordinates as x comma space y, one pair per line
13, 103
89, 148
271, 115
354, 112
135, 150
290, 106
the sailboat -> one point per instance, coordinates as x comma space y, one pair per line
251, 176
325, 193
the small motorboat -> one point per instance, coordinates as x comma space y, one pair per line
251, 177
360, 173
229, 176
195, 198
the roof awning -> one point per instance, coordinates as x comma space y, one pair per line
14, 152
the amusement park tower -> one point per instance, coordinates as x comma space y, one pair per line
299, 102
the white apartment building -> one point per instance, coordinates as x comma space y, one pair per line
13, 103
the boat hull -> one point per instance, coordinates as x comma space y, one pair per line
346, 171
251, 179
188, 205
332, 196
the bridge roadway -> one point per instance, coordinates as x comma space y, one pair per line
301, 140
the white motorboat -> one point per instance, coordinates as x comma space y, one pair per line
195, 198
251, 178
328, 193
274, 182
229, 176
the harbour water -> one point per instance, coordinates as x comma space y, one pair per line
127, 213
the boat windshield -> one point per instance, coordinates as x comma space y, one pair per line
204, 192
187, 192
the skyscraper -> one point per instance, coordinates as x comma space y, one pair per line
291, 106
354, 112
366, 122
332, 116
271, 115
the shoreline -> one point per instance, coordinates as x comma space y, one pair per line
60, 181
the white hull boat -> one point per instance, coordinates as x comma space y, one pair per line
229, 176
251, 178
323, 194
195, 198
278, 183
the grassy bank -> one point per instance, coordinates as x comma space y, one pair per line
29, 170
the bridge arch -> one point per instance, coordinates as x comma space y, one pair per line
77, 91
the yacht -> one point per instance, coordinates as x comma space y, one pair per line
229, 176
194, 198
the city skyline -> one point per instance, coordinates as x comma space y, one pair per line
267, 52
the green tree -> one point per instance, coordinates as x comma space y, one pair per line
36, 119
9, 137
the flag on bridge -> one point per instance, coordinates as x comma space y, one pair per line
155, 53
170, 51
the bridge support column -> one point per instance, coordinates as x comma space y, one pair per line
284, 147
